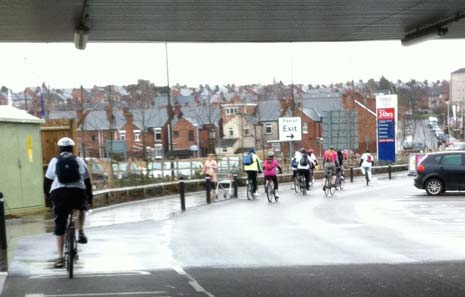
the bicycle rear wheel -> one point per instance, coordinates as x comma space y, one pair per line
70, 250
366, 177
341, 183
303, 187
296, 184
249, 190
269, 189
327, 187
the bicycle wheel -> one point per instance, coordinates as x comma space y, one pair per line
269, 192
70, 250
249, 190
332, 190
341, 183
366, 177
327, 187
296, 184
303, 187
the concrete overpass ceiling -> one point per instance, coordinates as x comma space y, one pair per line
224, 20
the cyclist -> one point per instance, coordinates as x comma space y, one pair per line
303, 167
68, 186
294, 164
269, 171
366, 161
339, 165
313, 163
252, 167
329, 164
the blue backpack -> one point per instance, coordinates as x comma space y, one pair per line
294, 163
248, 159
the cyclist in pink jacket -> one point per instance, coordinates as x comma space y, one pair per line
269, 170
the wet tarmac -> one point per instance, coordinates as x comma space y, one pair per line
154, 209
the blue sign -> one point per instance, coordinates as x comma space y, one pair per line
386, 135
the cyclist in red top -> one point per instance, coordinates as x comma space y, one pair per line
329, 164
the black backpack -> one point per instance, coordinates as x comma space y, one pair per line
304, 160
67, 168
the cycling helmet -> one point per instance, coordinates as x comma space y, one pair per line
270, 154
65, 141
303, 151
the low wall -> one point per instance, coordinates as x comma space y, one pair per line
119, 195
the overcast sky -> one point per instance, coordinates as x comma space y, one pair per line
62, 66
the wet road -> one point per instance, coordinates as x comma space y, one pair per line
388, 239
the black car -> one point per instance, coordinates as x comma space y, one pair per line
440, 172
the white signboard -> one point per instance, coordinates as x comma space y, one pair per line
290, 129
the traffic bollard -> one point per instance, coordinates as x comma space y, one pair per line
209, 187
3, 244
351, 174
235, 185
182, 193
389, 171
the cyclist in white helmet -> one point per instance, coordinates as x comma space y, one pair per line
68, 186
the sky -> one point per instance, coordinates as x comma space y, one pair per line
60, 65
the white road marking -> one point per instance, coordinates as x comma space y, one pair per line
61, 275
192, 281
99, 294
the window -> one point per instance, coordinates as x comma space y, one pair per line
92, 138
246, 131
232, 110
157, 133
231, 132
136, 135
122, 135
268, 128
158, 151
175, 134
452, 160
191, 135
225, 150
305, 128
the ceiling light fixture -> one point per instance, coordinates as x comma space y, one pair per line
82, 30
436, 30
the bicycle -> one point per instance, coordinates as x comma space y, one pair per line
340, 182
302, 184
269, 190
328, 188
250, 194
70, 246
366, 176
296, 183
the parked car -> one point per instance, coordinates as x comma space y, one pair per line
440, 172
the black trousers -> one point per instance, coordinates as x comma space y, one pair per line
252, 175
274, 178
306, 174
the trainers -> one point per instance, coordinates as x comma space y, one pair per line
82, 238
59, 263
276, 194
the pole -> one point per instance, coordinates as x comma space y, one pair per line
182, 193
235, 185
389, 171
170, 111
3, 244
351, 174
208, 186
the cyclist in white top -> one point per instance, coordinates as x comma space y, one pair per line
366, 161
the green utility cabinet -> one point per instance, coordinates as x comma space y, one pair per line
21, 174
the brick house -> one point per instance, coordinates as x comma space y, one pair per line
366, 110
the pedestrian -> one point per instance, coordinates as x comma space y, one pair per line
210, 168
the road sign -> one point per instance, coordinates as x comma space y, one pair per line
290, 129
